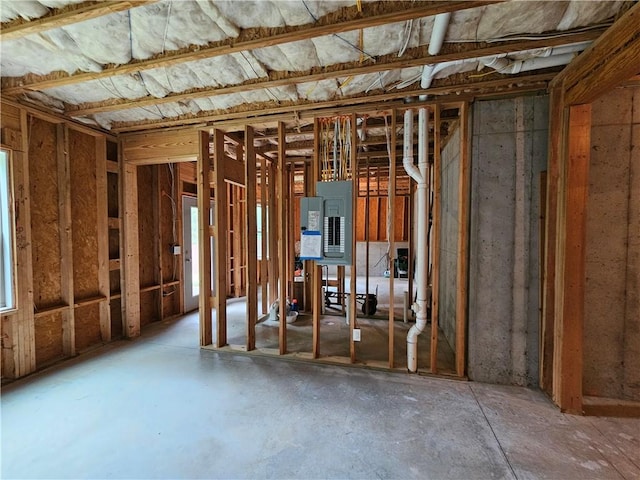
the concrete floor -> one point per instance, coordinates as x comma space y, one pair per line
160, 407
372, 350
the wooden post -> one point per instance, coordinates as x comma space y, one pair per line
392, 233
103, 237
220, 274
131, 292
282, 237
353, 279
251, 236
462, 280
204, 239
308, 265
435, 278
66, 242
316, 281
264, 265
273, 238
570, 281
23, 352
557, 135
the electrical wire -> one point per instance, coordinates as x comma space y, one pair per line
315, 19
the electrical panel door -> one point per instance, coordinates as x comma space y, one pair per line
337, 221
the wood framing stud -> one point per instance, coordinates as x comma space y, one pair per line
221, 202
251, 226
131, 259
462, 277
571, 282
282, 237
66, 239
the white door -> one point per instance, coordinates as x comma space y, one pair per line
190, 257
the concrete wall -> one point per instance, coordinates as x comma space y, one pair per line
509, 150
449, 237
612, 303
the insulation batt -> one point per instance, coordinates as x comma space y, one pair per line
186, 24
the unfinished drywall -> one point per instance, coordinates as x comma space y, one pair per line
612, 291
448, 287
509, 150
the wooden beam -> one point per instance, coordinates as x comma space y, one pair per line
131, 248
282, 238
435, 275
23, 349
392, 240
103, 236
272, 234
161, 147
62, 17
352, 274
447, 90
316, 270
570, 282
351, 18
462, 274
611, 60
264, 266
203, 170
66, 242
414, 57
557, 132
251, 236
220, 274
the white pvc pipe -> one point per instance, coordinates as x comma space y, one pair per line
420, 307
438, 33
407, 147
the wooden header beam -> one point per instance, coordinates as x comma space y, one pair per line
371, 15
62, 17
611, 60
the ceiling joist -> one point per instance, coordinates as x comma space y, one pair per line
62, 17
413, 57
447, 89
350, 18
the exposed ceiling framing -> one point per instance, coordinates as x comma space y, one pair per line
230, 63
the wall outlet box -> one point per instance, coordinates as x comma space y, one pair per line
175, 249
356, 334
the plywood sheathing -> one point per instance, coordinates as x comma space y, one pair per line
45, 230
48, 339
84, 214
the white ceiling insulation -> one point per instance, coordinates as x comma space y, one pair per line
168, 25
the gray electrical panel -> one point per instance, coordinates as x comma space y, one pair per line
337, 199
327, 224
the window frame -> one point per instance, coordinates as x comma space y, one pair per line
8, 289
